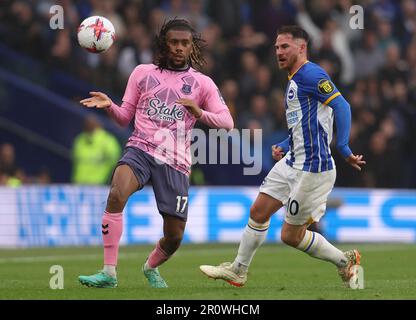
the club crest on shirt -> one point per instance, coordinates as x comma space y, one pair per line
325, 86
186, 88
291, 94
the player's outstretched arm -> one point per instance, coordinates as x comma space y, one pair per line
122, 115
97, 100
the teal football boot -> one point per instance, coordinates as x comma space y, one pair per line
154, 278
99, 280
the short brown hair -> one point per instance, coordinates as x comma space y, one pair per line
296, 32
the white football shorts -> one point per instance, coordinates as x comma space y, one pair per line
303, 193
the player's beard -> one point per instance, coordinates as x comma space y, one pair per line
289, 63
177, 63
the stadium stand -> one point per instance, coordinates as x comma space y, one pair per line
43, 73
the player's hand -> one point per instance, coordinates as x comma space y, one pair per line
356, 161
98, 100
191, 106
277, 153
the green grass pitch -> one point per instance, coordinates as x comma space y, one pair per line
277, 272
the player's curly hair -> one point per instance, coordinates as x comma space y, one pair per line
196, 60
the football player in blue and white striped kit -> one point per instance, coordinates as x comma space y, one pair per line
305, 172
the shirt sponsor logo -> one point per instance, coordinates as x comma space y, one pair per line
158, 109
292, 117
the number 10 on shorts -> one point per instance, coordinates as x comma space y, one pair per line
293, 207
181, 202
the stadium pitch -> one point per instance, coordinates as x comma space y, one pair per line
277, 272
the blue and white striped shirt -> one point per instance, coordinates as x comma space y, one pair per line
309, 119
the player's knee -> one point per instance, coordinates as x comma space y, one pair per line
258, 215
176, 239
116, 198
173, 242
289, 238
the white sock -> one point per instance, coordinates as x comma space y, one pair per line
253, 236
110, 270
318, 247
147, 267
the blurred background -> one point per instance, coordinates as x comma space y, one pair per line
44, 73
47, 138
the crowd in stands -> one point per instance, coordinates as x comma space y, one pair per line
373, 67
12, 173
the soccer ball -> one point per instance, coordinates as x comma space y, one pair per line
96, 34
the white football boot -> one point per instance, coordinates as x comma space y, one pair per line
225, 272
348, 272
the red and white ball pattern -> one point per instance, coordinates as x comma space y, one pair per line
96, 34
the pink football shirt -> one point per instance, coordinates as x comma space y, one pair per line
162, 128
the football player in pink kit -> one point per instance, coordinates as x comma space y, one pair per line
166, 99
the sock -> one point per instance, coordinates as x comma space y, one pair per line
110, 270
318, 247
253, 236
156, 257
112, 228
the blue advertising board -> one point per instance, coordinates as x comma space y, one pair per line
68, 215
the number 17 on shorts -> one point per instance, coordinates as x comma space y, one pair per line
181, 204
